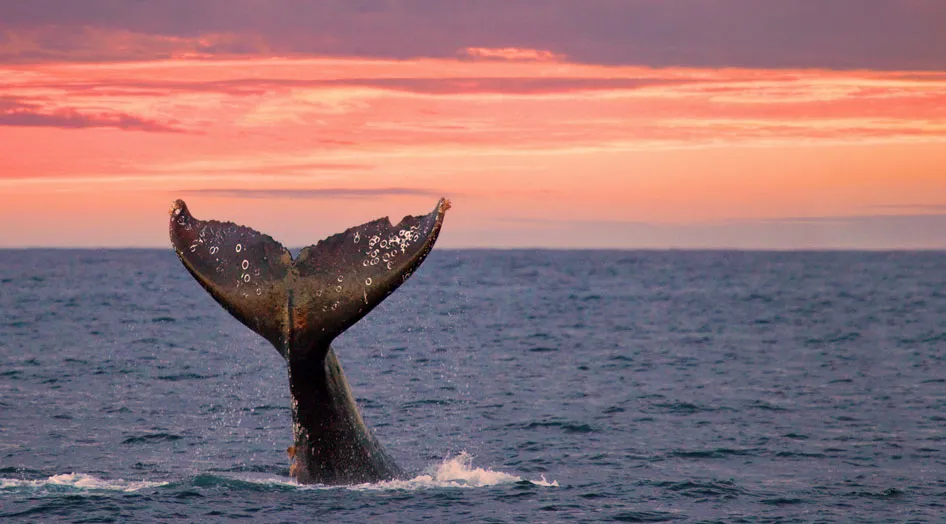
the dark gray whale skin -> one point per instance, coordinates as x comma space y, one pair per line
300, 306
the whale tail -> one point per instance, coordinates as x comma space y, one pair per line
301, 305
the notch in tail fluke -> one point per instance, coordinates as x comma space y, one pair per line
301, 306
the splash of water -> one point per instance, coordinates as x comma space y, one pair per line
456, 472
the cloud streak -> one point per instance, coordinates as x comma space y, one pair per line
18, 114
420, 86
312, 194
926, 208
72, 119
872, 218
827, 232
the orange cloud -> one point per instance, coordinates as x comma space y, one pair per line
518, 138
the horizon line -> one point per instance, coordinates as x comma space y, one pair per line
937, 249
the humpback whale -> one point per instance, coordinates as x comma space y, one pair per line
300, 306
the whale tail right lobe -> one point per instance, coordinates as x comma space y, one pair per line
301, 305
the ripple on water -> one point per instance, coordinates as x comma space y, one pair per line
646, 516
150, 438
568, 427
720, 489
716, 453
185, 376
682, 408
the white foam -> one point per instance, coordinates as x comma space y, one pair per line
80, 481
456, 472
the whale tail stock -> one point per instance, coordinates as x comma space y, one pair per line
301, 305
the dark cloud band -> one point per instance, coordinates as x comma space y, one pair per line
16, 113
842, 34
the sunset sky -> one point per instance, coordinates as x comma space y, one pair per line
600, 123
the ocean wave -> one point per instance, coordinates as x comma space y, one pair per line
78, 482
454, 472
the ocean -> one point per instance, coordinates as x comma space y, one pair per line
515, 386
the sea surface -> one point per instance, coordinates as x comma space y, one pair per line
515, 386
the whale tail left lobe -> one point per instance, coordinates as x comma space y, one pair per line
301, 305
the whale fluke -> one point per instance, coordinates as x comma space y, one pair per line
301, 306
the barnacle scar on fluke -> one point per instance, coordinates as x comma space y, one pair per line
300, 306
